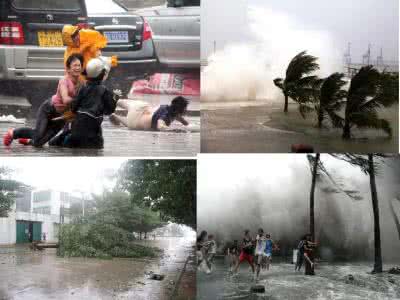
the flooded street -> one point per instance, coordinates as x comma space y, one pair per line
120, 141
260, 126
42, 275
281, 282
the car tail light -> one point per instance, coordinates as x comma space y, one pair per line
147, 34
11, 33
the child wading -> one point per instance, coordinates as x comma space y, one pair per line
233, 255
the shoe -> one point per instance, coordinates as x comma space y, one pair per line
8, 137
25, 142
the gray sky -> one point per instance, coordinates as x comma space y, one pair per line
357, 21
86, 174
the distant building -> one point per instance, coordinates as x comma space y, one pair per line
37, 212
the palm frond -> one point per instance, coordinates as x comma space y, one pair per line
279, 83
301, 65
371, 120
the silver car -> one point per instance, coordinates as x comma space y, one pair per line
176, 32
31, 47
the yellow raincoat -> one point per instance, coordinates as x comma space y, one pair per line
90, 43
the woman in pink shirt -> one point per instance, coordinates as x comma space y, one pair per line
54, 107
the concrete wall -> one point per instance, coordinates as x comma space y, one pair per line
8, 228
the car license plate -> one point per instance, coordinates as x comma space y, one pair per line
117, 36
50, 38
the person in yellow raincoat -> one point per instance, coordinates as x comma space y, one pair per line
87, 42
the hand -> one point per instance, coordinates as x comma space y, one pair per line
117, 92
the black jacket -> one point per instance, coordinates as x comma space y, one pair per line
94, 100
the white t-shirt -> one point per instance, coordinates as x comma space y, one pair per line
261, 242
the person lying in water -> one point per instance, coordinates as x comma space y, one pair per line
93, 101
142, 117
45, 128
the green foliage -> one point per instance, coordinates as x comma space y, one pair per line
167, 186
100, 241
107, 229
8, 191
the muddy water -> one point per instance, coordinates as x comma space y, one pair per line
42, 275
281, 282
119, 141
261, 126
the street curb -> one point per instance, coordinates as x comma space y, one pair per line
174, 292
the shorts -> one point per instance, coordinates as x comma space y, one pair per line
260, 258
244, 256
136, 109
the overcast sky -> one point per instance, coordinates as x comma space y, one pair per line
356, 21
85, 174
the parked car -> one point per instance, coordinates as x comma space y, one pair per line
176, 32
31, 47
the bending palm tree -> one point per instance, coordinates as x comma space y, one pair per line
296, 81
369, 90
326, 98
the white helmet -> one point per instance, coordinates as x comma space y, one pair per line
94, 67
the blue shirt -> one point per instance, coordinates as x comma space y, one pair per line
268, 247
161, 113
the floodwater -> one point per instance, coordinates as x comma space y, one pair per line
261, 126
42, 275
282, 282
119, 141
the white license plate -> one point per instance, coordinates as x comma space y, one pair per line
117, 36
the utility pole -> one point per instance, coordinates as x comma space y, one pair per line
379, 59
367, 56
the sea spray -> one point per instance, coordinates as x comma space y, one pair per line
245, 71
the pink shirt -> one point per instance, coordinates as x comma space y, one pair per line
71, 88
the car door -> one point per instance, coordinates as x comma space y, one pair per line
176, 32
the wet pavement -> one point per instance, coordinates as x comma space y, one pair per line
42, 275
282, 282
262, 127
120, 141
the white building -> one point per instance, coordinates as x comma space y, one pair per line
47, 210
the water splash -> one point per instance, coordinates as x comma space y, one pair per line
246, 71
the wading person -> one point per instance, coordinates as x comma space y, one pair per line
309, 248
233, 255
142, 117
300, 254
247, 251
201, 239
259, 254
269, 247
93, 102
211, 251
54, 107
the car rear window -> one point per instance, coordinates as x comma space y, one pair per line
103, 7
47, 4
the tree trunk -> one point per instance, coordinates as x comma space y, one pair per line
395, 218
285, 110
346, 130
375, 207
314, 179
320, 118
145, 235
